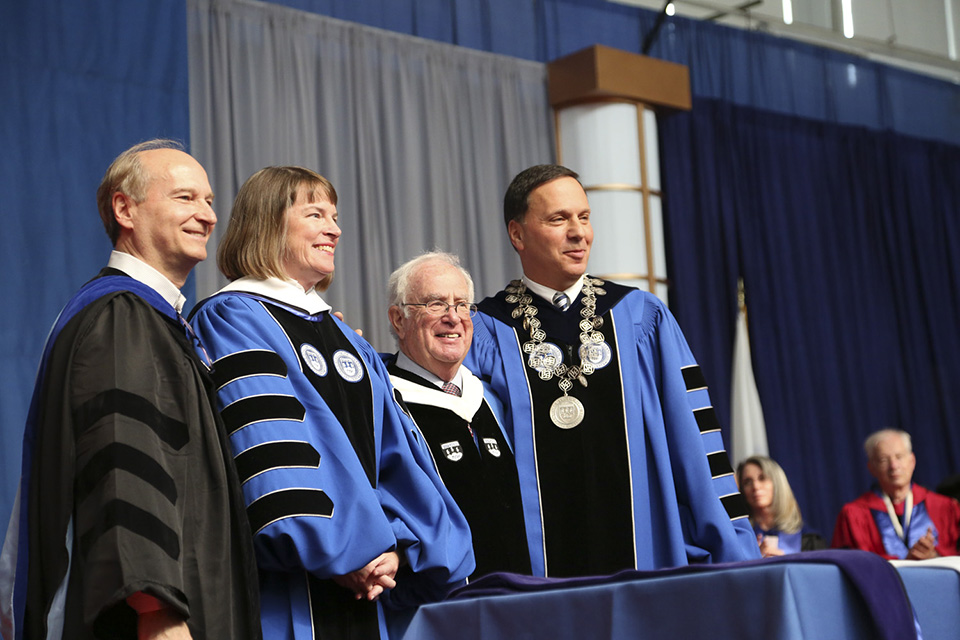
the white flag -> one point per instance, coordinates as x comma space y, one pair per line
747, 429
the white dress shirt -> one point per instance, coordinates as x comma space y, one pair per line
405, 363
140, 270
547, 293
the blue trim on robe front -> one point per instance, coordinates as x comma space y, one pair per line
672, 484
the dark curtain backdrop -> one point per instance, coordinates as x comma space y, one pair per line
848, 243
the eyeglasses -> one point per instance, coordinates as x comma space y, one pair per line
440, 308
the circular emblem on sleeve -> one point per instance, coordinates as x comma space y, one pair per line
596, 353
545, 357
311, 355
348, 366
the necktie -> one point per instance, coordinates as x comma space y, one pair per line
561, 301
452, 389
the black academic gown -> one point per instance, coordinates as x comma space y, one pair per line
126, 461
475, 463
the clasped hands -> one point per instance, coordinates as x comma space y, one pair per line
369, 582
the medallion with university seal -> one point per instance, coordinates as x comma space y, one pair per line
546, 359
566, 412
595, 354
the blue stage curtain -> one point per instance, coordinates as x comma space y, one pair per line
849, 246
79, 83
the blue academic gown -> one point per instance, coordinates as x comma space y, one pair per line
337, 515
686, 505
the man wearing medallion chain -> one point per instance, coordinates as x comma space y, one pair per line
619, 453
898, 519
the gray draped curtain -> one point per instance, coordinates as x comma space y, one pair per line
420, 139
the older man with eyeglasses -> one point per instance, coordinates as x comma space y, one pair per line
431, 311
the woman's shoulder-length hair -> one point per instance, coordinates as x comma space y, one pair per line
787, 516
255, 241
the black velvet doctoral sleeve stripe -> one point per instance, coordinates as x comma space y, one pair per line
171, 431
287, 504
119, 513
719, 464
247, 363
707, 419
276, 455
260, 408
736, 505
693, 377
398, 397
120, 456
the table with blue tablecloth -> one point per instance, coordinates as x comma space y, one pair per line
934, 590
820, 594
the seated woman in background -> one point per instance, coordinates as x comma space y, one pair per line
774, 512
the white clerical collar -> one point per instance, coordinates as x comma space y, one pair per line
465, 405
547, 293
140, 270
287, 291
404, 362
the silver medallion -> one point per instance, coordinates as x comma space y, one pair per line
566, 412
544, 357
547, 359
597, 354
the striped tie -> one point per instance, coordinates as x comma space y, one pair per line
452, 389
561, 301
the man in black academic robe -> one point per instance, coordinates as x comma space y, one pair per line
430, 314
129, 521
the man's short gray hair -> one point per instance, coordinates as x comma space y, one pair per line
127, 175
870, 444
399, 284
